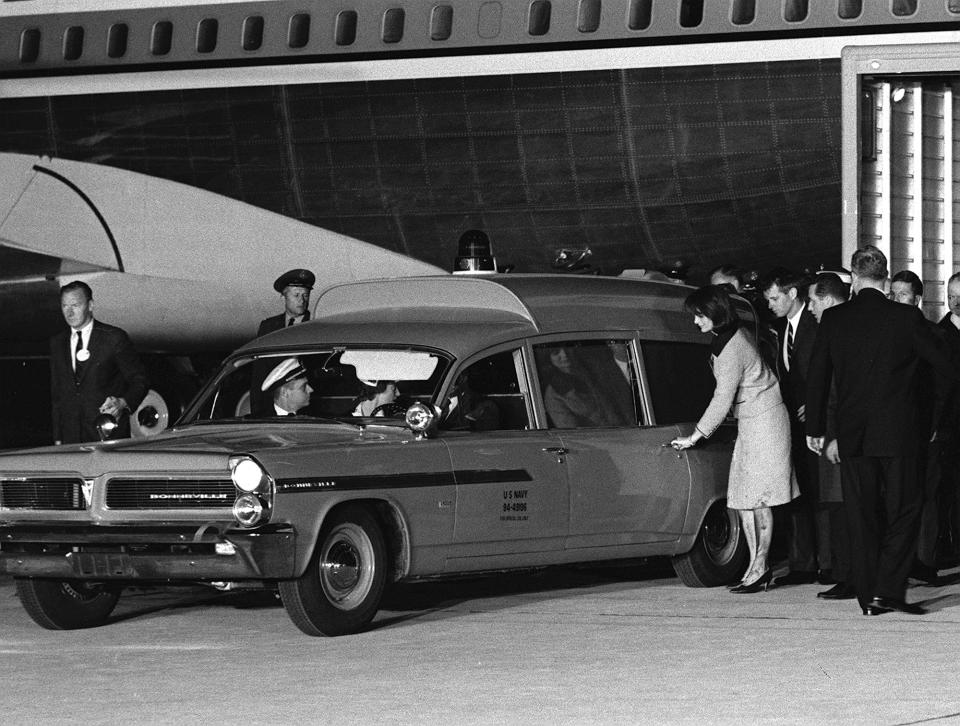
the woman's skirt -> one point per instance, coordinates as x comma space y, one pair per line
761, 472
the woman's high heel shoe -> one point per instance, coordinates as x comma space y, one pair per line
761, 583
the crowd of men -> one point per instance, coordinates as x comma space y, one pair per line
873, 392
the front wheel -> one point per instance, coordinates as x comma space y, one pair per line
67, 604
341, 589
720, 553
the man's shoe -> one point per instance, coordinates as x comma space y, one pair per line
840, 591
901, 606
796, 577
925, 574
825, 577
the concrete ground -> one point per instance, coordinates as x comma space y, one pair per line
565, 646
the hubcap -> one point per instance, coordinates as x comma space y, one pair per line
346, 566
721, 532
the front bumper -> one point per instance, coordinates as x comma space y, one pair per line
162, 553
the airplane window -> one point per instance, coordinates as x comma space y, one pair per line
73, 43
795, 11
298, 34
850, 9
539, 21
346, 29
588, 18
744, 12
161, 39
253, 32
953, 6
441, 22
393, 20
29, 45
691, 13
117, 40
902, 8
640, 14
207, 35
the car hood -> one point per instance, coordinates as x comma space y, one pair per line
206, 447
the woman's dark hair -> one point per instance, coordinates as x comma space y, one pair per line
712, 301
367, 393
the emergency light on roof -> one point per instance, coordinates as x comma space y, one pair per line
474, 254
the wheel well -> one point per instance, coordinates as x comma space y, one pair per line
395, 534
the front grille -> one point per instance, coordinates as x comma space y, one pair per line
139, 493
48, 493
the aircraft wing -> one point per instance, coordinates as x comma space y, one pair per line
180, 268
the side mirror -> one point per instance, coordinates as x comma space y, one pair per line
106, 425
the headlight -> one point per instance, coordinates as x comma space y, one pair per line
247, 475
248, 509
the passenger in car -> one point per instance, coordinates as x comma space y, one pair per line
760, 471
469, 409
584, 388
378, 398
288, 385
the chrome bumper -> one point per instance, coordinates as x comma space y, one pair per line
152, 553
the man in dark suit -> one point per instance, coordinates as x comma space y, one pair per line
93, 369
949, 432
906, 287
796, 327
294, 287
872, 347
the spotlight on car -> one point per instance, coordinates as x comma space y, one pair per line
248, 510
247, 475
106, 426
419, 419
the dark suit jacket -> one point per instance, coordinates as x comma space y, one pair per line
793, 383
873, 346
950, 422
268, 325
113, 369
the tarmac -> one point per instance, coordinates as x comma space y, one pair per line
617, 645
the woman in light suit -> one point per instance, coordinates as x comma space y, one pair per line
760, 471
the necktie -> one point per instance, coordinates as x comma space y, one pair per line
291, 321
77, 363
790, 346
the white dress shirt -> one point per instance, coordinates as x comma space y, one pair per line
84, 332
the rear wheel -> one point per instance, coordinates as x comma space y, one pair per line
341, 589
720, 553
67, 604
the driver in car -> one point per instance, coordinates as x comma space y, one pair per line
378, 398
289, 386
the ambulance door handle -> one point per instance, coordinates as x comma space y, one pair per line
558, 450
